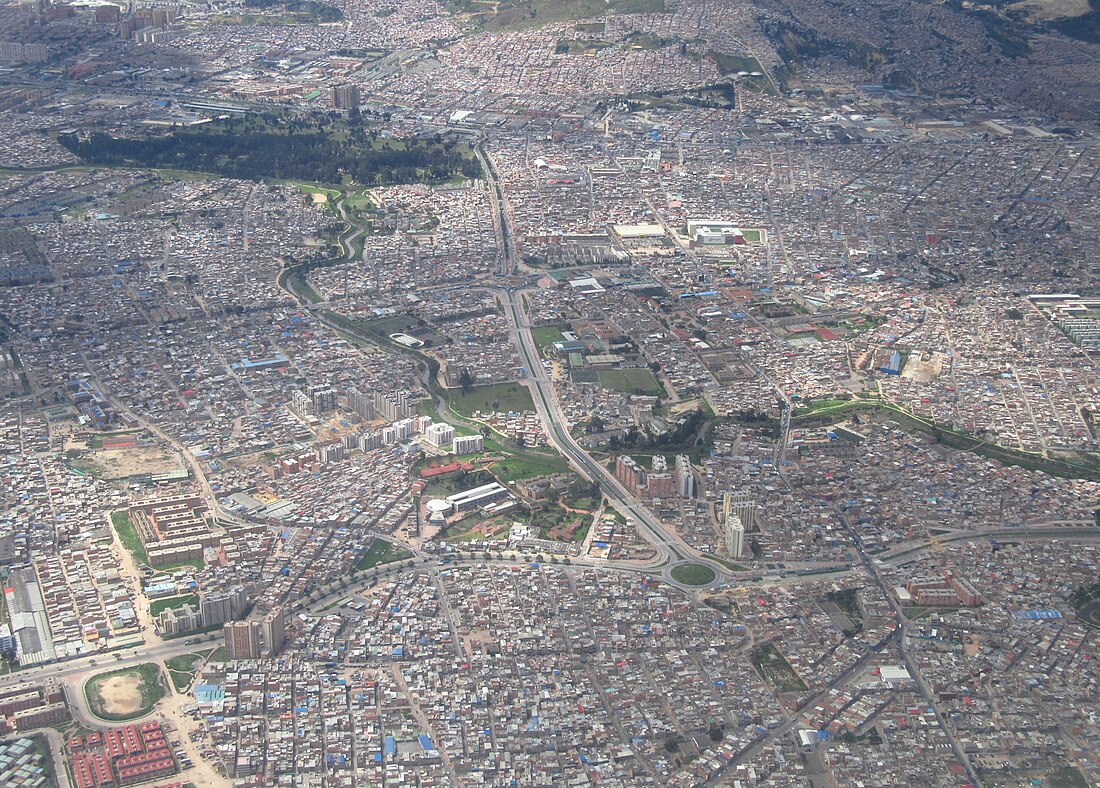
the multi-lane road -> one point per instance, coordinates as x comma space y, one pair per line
670, 547
109, 660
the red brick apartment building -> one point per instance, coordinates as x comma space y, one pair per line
121, 756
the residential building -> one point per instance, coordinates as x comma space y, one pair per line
734, 532
273, 631
685, 478
467, 444
439, 435
220, 606
361, 403
242, 639
345, 96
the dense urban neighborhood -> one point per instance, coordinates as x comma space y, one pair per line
515, 393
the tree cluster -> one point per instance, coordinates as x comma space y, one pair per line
258, 148
319, 12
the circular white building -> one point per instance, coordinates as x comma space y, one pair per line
438, 509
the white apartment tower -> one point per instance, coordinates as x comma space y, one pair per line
738, 511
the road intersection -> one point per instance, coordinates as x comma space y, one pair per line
670, 547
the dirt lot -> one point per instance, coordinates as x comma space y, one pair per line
119, 463
121, 695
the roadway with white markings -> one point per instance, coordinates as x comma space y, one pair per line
670, 547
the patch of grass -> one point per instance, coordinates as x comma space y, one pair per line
127, 534
312, 188
360, 201
862, 324
638, 40
1007, 456
450, 483
693, 574
581, 494
184, 663
297, 282
181, 670
493, 530
1086, 601
150, 683
545, 336
582, 533
692, 436
631, 381
518, 14
217, 655
158, 606
848, 601
502, 397
384, 326
527, 466
85, 468
844, 605
774, 667
382, 552
810, 407
579, 46
554, 522
296, 147
731, 64
180, 681
96, 441
1066, 777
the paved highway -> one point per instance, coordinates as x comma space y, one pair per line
750, 750
1084, 531
911, 663
670, 547
130, 656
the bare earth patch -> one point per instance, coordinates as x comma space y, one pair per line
121, 695
1050, 10
125, 462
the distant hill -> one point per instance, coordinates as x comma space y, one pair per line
1084, 28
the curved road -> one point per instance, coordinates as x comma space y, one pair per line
669, 546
